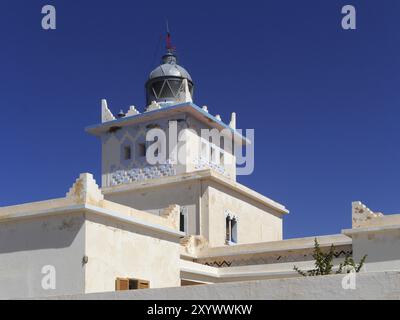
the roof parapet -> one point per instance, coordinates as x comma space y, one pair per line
85, 190
172, 214
106, 114
361, 214
132, 111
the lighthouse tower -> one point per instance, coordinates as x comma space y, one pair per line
195, 165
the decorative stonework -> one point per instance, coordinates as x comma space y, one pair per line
153, 106
361, 214
284, 257
202, 163
172, 214
85, 190
132, 111
142, 174
194, 244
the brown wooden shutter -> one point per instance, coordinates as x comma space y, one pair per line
121, 284
143, 284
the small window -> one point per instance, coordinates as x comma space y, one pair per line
228, 229
183, 220
127, 153
123, 284
231, 230
141, 150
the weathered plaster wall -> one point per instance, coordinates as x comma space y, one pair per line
382, 248
156, 199
120, 250
256, 223
380, 285
27, 245
377, 236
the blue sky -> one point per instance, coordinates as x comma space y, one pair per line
324, 102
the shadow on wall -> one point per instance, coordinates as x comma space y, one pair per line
40, 233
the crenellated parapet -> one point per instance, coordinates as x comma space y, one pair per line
85, 190
362, 215
172, 213
107, 115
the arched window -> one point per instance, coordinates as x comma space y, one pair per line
231, 229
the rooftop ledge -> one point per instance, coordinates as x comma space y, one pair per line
370, 229
271, 247
190, 108
199, 175
85, 196
73, 208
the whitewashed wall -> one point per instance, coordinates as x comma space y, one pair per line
27, 245
117, 250
380, 285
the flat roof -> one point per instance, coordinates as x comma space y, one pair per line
190, 108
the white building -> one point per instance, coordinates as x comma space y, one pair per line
167, 224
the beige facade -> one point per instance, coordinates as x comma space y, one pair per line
88, 242
28, 245
256, 222
119, 250
167, 225
208, 198
137, 225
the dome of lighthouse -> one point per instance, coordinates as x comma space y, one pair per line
169, 67
169, 82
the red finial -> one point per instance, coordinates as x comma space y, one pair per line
169, 45
170, 48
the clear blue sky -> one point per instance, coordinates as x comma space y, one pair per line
324, 102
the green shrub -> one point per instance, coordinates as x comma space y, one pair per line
324, 263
